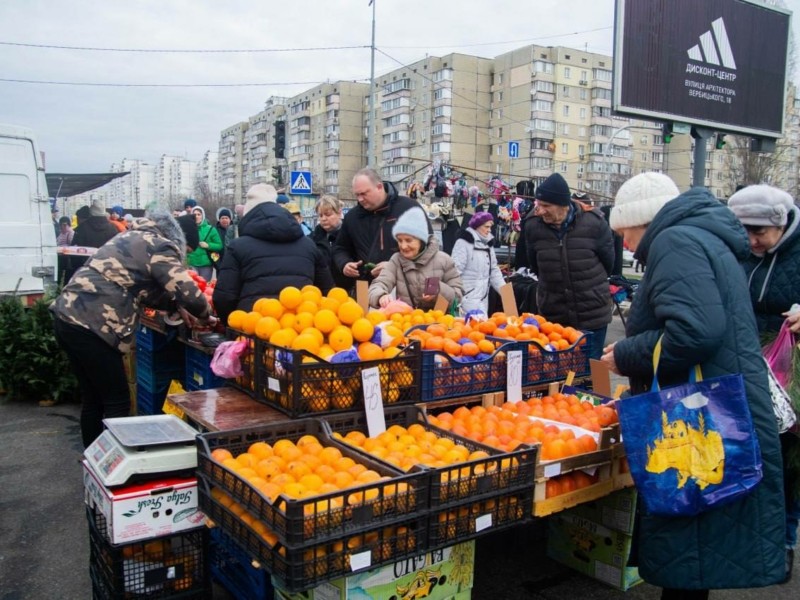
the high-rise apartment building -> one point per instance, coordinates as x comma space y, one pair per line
175, 180
208, 172
260, 143
232, 162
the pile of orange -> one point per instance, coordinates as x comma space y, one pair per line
457, 340
569, 482
568, 408
531, 328
304, 319
505, 429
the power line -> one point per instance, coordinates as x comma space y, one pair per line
526, 41
165, 85
179, 51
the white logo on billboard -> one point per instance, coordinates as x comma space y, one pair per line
709, 52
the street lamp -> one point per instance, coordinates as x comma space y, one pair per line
606, 155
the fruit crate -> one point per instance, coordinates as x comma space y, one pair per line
299, 568
147, 401
300, 384
455, 524
246, 382
542, 365
199, 375
321, 517
444, 376
233, 569
154, 371
153, 341
173, 566
491, 476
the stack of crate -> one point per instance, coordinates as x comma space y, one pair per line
159, 360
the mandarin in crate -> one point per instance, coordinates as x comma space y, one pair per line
290, 297
235, 319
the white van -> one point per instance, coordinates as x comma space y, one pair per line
27, 236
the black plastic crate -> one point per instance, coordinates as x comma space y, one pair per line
321, 517
541, 365
172, 566
246, 382
300, 384
491, 476
445, 376
297, 569
232, 568
456, 524
199, 375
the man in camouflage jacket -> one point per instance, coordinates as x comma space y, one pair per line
96, 313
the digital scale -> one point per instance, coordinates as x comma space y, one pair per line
137, 448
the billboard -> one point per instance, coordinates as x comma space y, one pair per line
717, 63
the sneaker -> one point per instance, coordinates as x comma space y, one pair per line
789, 565
48, 402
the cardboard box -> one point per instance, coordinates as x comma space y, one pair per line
615, 511
147, 510
445, 574
591, 549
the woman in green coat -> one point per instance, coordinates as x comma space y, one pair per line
210, 245
694, 294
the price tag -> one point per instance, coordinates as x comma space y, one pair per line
483, 522
373, 401
273, 384
514, 374
570, 378
552, 470
362, 560
170, 408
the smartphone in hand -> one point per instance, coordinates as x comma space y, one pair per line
431, 286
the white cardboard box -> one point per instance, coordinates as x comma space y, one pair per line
146, 510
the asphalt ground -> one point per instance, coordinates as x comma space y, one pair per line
44, 541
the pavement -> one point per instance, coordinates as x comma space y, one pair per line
44, 543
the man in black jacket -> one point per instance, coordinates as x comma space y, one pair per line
365, 242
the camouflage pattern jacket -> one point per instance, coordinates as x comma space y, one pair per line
141, 266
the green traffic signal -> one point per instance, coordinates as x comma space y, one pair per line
666, 133
719, 142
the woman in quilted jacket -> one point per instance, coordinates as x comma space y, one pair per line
772, 222
693, 297
202, 259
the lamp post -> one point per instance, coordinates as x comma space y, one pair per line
606, 155
371, 119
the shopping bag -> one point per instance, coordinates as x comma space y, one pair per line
779, 355
690, 447
226, 361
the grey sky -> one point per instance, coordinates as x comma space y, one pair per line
86, 128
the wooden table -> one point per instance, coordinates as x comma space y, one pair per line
223, 409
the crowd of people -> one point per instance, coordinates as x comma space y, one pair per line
718, 279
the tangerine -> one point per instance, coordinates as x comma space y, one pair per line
266, 326
249, 322
341, 338
290, 297
362, 330
369, 351
349, 312
326, 320
235, 319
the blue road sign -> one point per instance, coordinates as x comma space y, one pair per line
300, 182
513, 149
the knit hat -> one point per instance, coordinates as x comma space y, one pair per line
84, 212
118, 210
282, 199
189, 203
412, 222
224, 212
97, 209
640, 198
257, 194
479, 219
128, 218
292, 208
554, 190
762, 205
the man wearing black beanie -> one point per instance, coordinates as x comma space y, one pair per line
570, 249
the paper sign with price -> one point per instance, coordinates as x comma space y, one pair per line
514, 372
373, 401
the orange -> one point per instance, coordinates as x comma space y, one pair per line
369, 351
486, 346
452, 348
340, 338
306, 306
261, 450
375, 317
272, 307
283, 337
339, 294
287, 320
221, 454
235, 319
250, 321
290, 297
469, 349
316, 333
266, 326
362, 330
306, 341
303, 321
349, 312
326, 320
311, 293
434, 342
330, 455
330, 304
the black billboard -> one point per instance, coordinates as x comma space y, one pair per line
715, 63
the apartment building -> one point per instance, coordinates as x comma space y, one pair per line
262, 166
208, 172
232, 162
436, 109
134, 190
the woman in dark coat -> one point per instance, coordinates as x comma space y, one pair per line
329, 217
694, 294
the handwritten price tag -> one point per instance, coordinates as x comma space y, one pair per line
373, 401
514, 373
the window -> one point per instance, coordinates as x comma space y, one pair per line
393, 103
643, 140
498, 150
658, 140
584, 75
446, 94
565, 128
582, 113
581, 150
498, 96
440, 147
583, 93
543, 105
446, 75
582, 131
564, 148
567, 72
498, 79
565, 91
644, 156
565, 110
540, 144
395, 86
563, 167
440, 129
543, 125
540, 66
602, 74
657, 156
500, 132
540, 162
601, 111
442, 111
601, 94
544, 86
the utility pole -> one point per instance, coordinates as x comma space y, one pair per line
606, 154
371, 118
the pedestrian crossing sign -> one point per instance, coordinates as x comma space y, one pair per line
300, 182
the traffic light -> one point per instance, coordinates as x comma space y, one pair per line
280, 139
666, 133
277, 175
719, 141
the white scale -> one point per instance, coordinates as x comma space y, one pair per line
141, 447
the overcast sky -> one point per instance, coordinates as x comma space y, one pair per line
84, 128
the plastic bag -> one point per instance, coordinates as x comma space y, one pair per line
227, 359
779, 355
